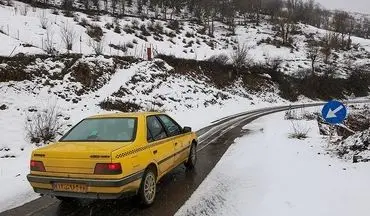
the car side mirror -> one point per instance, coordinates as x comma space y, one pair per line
186, 130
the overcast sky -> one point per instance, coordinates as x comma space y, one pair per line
362, 6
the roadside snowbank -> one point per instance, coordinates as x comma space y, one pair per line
266, 173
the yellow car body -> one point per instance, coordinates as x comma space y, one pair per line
69, 169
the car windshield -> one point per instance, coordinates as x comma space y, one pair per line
103, 130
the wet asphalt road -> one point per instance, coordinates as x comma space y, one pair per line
173, 189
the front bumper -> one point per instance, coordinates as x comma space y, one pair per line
97, 188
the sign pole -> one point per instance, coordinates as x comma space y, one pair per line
333, 113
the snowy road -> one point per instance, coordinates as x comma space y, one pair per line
175, 188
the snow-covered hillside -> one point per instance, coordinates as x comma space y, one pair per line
80, 83
33, 32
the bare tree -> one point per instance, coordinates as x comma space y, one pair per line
96, 3
255, 7
313, 54
86, 4
286, 26
327, 44
67, 5
123, 7
98, 46
114, 4
49, 43
44, 21
325, 15
350, 28
24, 10
340, 24
272, 7
68, 35
273, 63
366, 28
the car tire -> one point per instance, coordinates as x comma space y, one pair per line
148, 188
192, 158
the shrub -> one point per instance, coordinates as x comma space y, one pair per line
153, 108
117, 29
55, 11
76, 18
135, 23
240, 56
109, 26
49, 43
68, 13
84, 22
95, 32
174, 25
299, 131
171, 34
189, 35
44, 126
220, 59
44, 21
98, 46
158, 27
144, 31
68, 35
128, 29
130, 45
291, 115
121, 47
109, 104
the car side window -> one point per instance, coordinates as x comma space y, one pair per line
155, 129
171, 126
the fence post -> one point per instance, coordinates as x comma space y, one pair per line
149, 52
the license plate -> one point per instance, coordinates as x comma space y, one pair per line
77, 188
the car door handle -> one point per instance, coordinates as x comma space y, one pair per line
155, 152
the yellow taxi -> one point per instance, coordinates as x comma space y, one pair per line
113, 155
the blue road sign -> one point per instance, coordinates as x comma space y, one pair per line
334, 112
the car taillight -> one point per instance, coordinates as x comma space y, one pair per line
37, 166
108, 169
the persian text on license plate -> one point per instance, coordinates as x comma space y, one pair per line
68, 187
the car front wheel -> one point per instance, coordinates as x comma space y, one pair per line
192, 159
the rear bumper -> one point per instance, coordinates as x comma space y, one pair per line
89, 182
97, 188
86, 195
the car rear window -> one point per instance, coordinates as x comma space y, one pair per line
103, 130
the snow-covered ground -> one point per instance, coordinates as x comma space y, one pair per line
23, 33
267, 173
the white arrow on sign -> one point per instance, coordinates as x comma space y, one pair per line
332, 113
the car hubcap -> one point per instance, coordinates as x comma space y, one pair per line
149, 187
